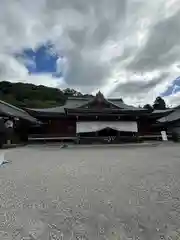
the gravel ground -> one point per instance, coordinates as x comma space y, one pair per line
50, 193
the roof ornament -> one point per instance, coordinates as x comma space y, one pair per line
100, 97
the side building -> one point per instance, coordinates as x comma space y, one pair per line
94, 119
14, 124
171, 122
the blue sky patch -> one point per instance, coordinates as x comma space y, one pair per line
41, 60
173, 88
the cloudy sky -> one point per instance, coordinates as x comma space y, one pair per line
125, 48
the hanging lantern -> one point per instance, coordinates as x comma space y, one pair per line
9, 124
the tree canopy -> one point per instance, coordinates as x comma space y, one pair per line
159, 104
29, 95
148, 107
32, 96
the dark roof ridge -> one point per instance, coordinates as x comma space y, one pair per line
15, 111
80, 98
12, 106
115, 99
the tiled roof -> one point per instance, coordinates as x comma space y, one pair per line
121, 104
70, 103
174, 116
162, 111
47, 110
10, 110
79, 102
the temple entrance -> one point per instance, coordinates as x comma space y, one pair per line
107, 136
108, 132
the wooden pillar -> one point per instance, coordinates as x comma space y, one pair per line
10, 135
118, 136
77, 138
96, 133
2, 132
21, 130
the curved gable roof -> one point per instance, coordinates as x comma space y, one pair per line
14, 111
83, 102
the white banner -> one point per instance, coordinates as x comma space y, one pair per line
83, 127
164, 136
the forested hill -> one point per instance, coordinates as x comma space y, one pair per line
29, 95
32, 96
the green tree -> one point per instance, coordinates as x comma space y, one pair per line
148, 107
29, 95
159, 104
71, 92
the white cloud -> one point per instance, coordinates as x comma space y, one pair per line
173, 100
39, 79
107, 45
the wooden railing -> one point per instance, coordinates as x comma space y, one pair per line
99, 139
49, 137
154, 136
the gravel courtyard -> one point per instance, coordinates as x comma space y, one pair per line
90, 193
